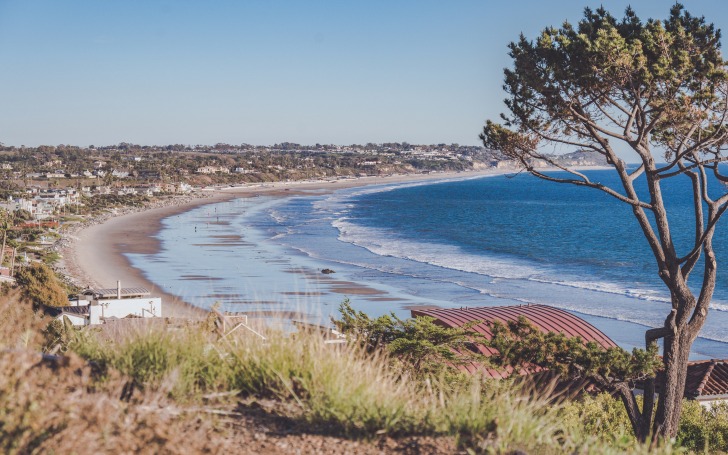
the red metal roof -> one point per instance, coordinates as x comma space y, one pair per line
543, 317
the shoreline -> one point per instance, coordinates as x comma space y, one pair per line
98, 256
94, 256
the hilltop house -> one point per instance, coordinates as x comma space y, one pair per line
99, 306
43, 203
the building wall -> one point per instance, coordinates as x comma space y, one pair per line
145, 307
75, 319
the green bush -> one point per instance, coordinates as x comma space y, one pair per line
702, 429
40, 285
602, 416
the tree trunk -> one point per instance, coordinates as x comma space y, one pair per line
2, 251
672, 384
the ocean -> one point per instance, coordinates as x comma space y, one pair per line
497, 240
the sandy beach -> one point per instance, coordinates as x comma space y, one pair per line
94, 256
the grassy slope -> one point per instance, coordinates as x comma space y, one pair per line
185, 390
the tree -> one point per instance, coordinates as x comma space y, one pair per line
423, 347
523, 347
658, 88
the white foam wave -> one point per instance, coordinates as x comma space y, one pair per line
719, 306
277, 216
650, 295
385, 243
635, 316
382, 242
497, 270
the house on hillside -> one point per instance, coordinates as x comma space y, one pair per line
99, 306
212, 170
78, 315
707, 380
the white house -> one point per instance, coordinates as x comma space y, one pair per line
78, 315
98, 306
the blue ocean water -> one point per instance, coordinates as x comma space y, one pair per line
484, 241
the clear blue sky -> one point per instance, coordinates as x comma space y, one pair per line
199, 72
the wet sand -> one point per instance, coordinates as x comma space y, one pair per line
96, 257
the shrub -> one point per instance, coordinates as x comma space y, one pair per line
421, 347
41, 286
702, 429
602, 416
62, 410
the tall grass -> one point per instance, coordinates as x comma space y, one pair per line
339, 389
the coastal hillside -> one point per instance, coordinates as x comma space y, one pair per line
190, 388
363, 228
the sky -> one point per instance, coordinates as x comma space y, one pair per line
263, 72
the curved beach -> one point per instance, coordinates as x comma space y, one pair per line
96, 257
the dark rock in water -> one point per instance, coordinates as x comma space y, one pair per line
327, 271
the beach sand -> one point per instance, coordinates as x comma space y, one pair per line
95, 255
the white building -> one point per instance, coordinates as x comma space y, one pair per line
212, 170
99, 306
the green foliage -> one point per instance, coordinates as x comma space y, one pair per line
51, 257
602, 416
41, 286
704, 430
524, 347
60, 334
572, 75
148, 357
23, 215
422, 347
701, 430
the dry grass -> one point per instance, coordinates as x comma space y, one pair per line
20, 326
339, 390
59, 409
155, 389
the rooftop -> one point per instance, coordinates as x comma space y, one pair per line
707, 378
111, 293
55, 311
544, 317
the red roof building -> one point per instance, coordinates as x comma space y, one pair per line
707, 380
544, 317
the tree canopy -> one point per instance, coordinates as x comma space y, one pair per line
657, 89
422, 347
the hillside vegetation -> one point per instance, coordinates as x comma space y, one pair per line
158, 388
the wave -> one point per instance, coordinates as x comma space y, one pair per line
383, 242
498, 278
277, 216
